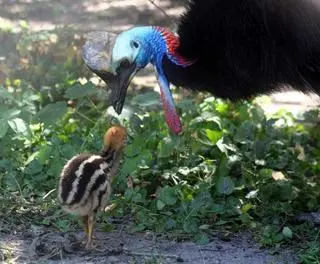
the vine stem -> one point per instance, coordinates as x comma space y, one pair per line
162, 11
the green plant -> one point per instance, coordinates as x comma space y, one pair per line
311, 253
234, 167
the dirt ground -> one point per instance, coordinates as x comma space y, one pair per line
42, 245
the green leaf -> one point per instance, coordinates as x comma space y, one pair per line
202, 202
11, 182
33, 167
44, 154
167, 195
9, 114
187, 105
214, 135
5, 94
252, 194
130, 165
146, 99
135, 123
204, 227
165, 148
80, 91
132, 150
266, 173
3, 128
137, 197
211, 117
203, 239
160, 204
246, 132
246, 207
287, 232
257, 114
225, 185
184, 171
208, 118
190, 226
221, 223
68, 151
222, 107
223, 168
19, 126
55, 167
170, 224
31, 158
52, 112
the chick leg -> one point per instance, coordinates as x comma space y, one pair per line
85, 224
91, 219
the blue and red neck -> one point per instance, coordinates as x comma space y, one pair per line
157, 42
166, 42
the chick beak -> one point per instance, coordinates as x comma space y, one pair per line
125, 72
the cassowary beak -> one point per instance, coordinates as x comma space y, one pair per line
125, 72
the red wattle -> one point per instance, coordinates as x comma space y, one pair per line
171, 116
172, 43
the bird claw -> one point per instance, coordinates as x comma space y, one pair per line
89, 246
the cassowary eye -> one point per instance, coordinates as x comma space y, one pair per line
125, 63
135, 44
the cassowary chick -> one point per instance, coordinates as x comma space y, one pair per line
85, 180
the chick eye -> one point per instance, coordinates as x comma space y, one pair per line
135, 44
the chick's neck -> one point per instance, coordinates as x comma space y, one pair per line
112, 156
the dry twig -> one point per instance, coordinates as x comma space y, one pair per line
163, 12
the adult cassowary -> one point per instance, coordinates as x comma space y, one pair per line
231, 48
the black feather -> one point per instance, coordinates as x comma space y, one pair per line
249, 47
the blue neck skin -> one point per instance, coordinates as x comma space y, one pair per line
153, 49
158, 49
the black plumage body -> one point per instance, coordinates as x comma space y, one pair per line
249, 47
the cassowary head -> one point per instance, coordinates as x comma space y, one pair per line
133, 50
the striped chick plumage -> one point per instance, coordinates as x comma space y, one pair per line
85, 181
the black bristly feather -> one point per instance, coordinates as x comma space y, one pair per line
249, 47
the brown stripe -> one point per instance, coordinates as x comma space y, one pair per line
101, 193
99, 181
88, 171
69, 175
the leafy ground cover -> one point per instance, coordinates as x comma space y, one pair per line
234, 168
